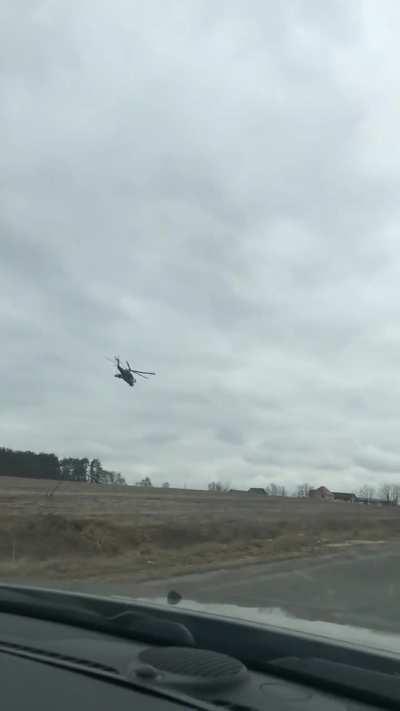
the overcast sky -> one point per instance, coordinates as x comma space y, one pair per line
210, 189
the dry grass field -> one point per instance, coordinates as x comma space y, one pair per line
111, 533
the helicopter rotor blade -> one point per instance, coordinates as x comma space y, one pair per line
143, 372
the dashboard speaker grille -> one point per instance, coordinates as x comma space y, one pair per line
199, 663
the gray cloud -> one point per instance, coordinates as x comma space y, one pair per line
375, 460
209, 190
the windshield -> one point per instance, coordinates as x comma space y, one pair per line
199, 276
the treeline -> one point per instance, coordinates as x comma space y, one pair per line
146, 482
49, 466
270, 490
385, 493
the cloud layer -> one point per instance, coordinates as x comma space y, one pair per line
211, 191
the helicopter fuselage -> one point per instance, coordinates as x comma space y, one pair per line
126, 375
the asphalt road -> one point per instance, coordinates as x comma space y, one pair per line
357, 586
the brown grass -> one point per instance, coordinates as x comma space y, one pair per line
89, 532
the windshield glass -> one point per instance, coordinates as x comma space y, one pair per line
199, 275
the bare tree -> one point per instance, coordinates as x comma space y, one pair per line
303, 490
218, 486
366, 491
165, 485
385, 492
275, 489
390, 493
144, 482
272, 489
395, 494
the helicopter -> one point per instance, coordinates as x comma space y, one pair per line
128, 374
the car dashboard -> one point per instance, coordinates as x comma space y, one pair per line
48, 665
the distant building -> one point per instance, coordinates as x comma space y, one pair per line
321, 493
368, 500
256, 490
344, 496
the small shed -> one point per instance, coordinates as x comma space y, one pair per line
344, 496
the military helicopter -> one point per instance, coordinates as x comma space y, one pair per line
128, 374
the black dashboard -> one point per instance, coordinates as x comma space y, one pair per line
47, 665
